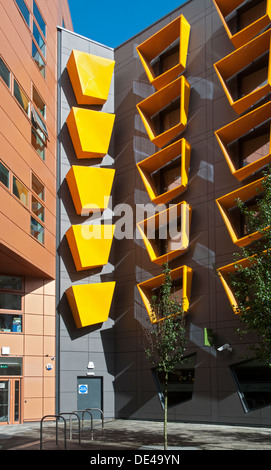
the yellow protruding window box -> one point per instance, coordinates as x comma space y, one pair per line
90, 76
168, 50
249, 19
90, 303
90, 132
166, 109
90, 188
224, 273
90, 245
166, 234
235, 223
181, 280
165, 173
245, 74
245, 142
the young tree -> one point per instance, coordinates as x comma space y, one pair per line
166, 338
251, 283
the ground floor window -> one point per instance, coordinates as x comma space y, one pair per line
181, 382
253, 380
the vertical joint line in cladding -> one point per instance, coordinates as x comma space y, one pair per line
58, 166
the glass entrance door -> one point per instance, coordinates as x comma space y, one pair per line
9, 401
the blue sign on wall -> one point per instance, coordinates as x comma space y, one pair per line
83, 389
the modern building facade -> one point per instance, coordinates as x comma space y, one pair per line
166, 130
28, 134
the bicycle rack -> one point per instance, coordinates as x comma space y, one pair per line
57, 418
102, 416
70, 414
91, 418
70, 420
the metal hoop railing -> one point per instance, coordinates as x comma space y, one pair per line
57, 417
102, 415
91, 418
70, 414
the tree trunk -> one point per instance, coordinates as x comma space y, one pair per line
165, 410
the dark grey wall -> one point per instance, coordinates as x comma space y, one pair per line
215, 396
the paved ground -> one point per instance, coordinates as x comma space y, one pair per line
132, 435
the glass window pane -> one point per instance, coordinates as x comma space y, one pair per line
11, 366
38, 144
10, 323
11, 282
37, 230
4, 73
39, 40
39, 102
37, 187
38, 209
21, 97
20, 191
4, 175
180, 382
24, 10
10, 301
38, 123
253, 380
39, 18
38, 59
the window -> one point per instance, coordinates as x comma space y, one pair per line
4, 73
38, 102
38, 142
180, 382
24, 10
21, 97
37, 230
247, 14
39, 18
169, 176
38, 123
255, 145
10, 282
253, 380
20, 191
38, 59
168, 59
253, 76
11, 295
38, 187
39, 39
37, 208
4, 175
11, 365
168, 117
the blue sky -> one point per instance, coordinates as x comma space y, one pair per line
112, 23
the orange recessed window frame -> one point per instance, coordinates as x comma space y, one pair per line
165, 173
162, 48
245, 143
251, 18
245, 74
169, 106
231, 214
181, 279
166, 234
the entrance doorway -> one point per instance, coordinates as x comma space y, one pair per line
90, 394
10, 399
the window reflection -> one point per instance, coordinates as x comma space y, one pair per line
253, 379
